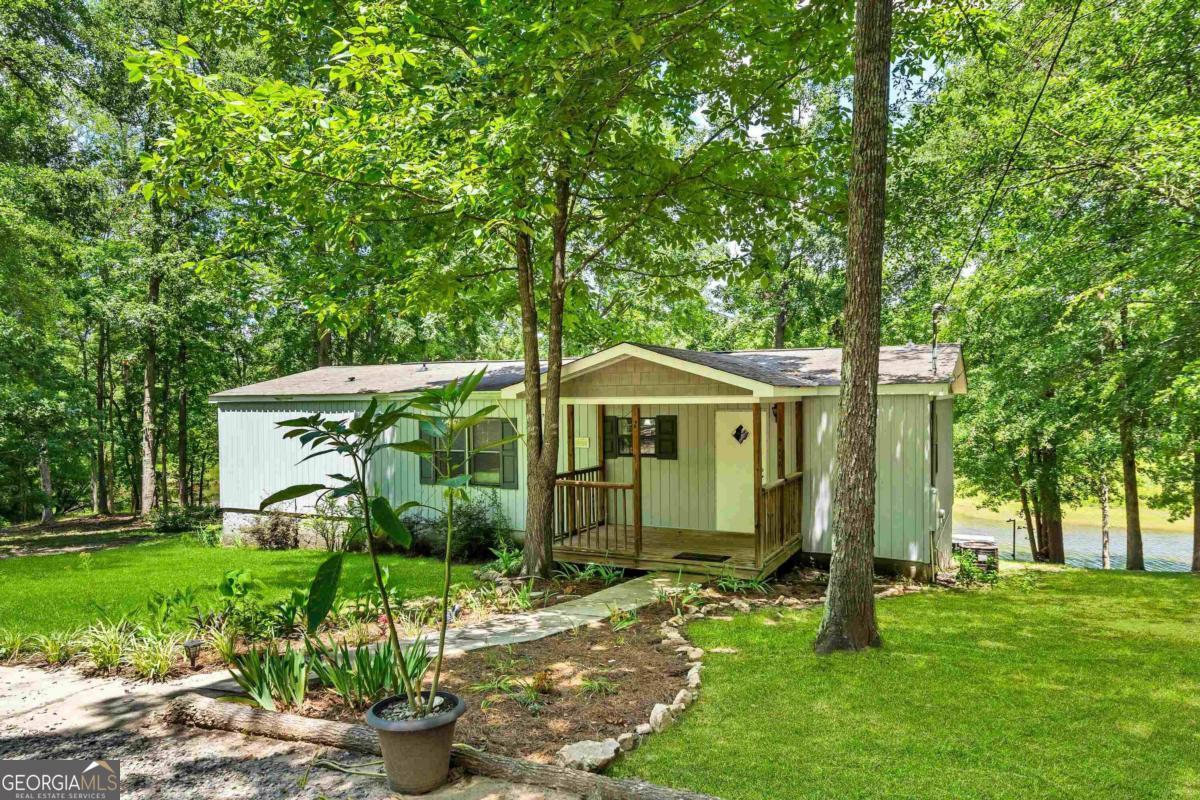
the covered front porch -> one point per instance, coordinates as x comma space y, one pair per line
612, 512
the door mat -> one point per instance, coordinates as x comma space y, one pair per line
709, 557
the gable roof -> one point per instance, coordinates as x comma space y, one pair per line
822, 366
755, 369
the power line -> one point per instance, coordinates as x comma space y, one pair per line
1012, 155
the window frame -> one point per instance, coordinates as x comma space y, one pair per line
616, 440
507, 452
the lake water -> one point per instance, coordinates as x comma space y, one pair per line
1163, 551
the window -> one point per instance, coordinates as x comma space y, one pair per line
659, 437
490, 464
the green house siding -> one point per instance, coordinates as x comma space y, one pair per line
904, 509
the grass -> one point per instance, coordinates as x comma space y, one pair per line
1088, 514
1067, 683
44, 594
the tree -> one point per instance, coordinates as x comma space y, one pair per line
849, 621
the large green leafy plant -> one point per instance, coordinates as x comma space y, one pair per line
442, 414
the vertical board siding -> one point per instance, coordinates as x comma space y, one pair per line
399, 473
945, 475
255, 459
902, 510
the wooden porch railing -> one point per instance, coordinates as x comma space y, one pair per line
594, 515
781, 515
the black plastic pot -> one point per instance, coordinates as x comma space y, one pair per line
416, 752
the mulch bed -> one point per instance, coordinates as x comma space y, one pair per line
590, 683
558, 707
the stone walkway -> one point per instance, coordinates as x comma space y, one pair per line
64, 714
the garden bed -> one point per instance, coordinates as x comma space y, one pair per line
593, 683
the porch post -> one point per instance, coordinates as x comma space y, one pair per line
757, 430
603, 469
636, 415
780, 442
799, 435
570, 494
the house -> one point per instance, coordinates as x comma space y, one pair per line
718, 462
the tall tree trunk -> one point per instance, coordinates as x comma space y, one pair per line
181, 448
1029, 529
1196, 504
200, 498
849, 622
542, 406
1105, 557
164, 496
324, 347
1051, 506
149, 379
1133, 518
101, 504
781, 314
47, 486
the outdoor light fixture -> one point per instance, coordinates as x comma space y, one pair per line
192, 648
740, 434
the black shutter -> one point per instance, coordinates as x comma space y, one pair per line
426, 464
611, 449
508, 457
667, 445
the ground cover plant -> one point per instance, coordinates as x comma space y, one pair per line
1063, 683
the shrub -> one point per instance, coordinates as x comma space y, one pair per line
971, 574
207, 536
178, 519
276, 532
338, 524
479, 528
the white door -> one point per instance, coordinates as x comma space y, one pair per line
735, 471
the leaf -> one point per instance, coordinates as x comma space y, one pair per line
457, 482
323, 591
415, 446
387, 521
291, 493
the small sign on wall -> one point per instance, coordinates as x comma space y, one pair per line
582, 443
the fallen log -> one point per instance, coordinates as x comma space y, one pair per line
204, 712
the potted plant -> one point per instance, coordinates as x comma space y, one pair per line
416, 725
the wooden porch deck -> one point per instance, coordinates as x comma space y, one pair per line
674, 549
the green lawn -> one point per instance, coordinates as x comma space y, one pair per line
1086, 684
61, 592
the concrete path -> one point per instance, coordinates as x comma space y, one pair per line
63, 714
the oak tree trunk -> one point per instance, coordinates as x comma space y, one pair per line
324, 347
1029, 529
542, 405
1051, 505
1133, 518
849, 622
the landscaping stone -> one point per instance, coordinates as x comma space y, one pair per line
661, 717
725, 650
590, 756
627, 741
695, 653
693, 677
644, 729
684, 698
741, 605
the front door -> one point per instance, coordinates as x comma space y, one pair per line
735, 471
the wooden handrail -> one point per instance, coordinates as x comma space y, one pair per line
784, 481
580, 471
593, 484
